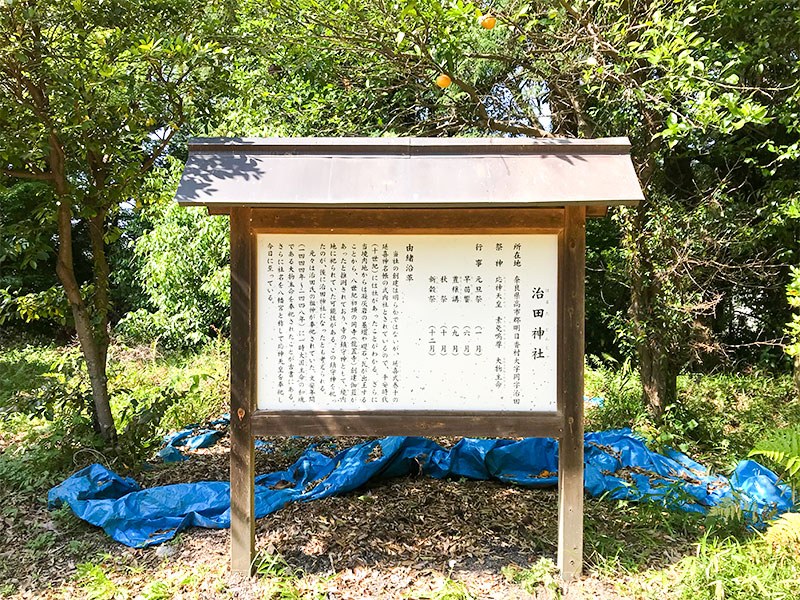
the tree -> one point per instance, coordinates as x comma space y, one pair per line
708, 111
27, 255
793, 327
91, 93
179, 249
708, 105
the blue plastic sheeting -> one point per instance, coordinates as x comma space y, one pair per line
195, 436
192, 437
618, 464
265, 447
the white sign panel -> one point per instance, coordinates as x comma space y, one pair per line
407, 322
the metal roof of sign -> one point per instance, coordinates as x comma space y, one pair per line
407, 172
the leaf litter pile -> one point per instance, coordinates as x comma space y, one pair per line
410, 537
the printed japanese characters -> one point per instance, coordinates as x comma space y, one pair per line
418, 322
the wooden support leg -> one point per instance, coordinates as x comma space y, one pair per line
571, 347
570, 505
242, 504
242, 402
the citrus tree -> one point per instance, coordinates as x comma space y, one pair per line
707, 91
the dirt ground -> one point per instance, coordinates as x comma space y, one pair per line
409, 537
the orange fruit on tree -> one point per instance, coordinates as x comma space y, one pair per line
443, 81
487, 21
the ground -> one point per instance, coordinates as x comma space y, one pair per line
411, 537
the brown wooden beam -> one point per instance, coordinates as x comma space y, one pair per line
571, 276
242, 397
596, 211
426, 423
592, 210
408, 220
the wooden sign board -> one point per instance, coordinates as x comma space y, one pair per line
406, 322
428, 315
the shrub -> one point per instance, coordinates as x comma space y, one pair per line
621, 391
182, 265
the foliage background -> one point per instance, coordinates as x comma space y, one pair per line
694, 281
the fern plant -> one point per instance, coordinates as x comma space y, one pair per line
784, 533
728, 512
782, 448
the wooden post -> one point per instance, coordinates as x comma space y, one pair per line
570, 389
242, 397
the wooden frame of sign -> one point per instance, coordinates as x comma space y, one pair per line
566, 423
251, 219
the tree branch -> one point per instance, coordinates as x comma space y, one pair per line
157, 152
483, 114
29, 175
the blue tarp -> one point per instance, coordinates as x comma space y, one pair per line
618, 464
192, 437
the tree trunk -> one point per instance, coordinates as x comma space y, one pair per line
93, 339
797, 372
659, 380
657, 372
94, 344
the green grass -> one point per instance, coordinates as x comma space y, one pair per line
157, 590
642, 550
542, 574
282, 582
41, 542
23, 369
727, 568
45, 425
200, 380
451, 589
95, 583
45, 394
717, 420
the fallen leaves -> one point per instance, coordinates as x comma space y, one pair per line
406, 537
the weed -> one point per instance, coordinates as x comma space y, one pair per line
721, 568
732, 411
157, 590
717, 418
783, 534
450, 590
96, 584
282, 581
45, 408
77, 547
43, 541
66, 520
220, 585
10, 511
22, 371
624, 537
653, 551
272, 565
189, 581
622, 396
782, 448
543, 573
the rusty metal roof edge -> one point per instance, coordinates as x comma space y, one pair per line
407, 146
